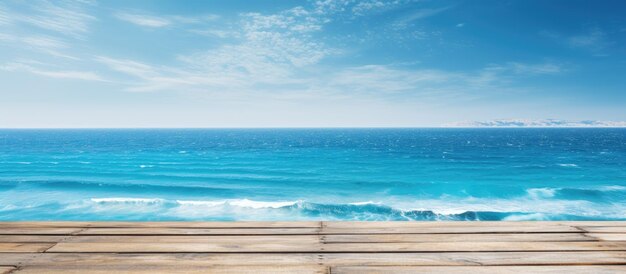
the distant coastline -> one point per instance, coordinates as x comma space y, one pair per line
542, 123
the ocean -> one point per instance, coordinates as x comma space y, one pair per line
313, 174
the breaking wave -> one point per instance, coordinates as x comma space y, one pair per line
537, 205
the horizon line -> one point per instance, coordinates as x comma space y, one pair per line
328, 127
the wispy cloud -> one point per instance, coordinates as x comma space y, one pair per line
594, 40
51, 73
528, 68
418, 14
66, 17
278, 54
144, 20
40, 43
4, 16
355, 7
152, 21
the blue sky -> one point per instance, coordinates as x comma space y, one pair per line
320, 63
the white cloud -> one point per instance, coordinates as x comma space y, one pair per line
46, 42
591, 39
460, 25
215, 33
279, 55
28, 66
144, 20
366, 6
526, 68
4, 16
418, 15
382, 79
595, 41
547, 68
40, 43
152, 21
66, 17
129, 67
355, 7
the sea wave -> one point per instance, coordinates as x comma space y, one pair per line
601, 194
467, 209
92, 201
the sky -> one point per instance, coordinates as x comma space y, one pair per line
317, 63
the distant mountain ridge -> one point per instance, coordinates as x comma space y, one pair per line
537, 123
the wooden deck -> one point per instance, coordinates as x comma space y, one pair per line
313, 247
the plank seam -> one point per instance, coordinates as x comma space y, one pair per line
333, 252
580, 228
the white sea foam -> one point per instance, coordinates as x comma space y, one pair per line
528, 217
366, 203
127, 200
201, 203
568, 165
529, 207
258, 204
541, 193
612, 188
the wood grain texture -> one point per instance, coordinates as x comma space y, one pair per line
431, 238
24, 247
313, 247
612, 269
32, 238
199, 231
6, 269
253, 269
608, 236
604, 229
197, 239
453, 229
37, 231
350, 259
335, 247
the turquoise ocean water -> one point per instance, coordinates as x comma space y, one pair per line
311, 174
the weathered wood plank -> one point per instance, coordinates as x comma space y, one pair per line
338, 247
452, 229
24, 247
6, 269
37, 231
305, 269
225, 247
31, 238
336, 259
496, 237
475, 258
157, 259
199, 231
187, 247
604, 229
312, 239
605, 269
239, 224
474, 246
608, 236
404, 224
225, 239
